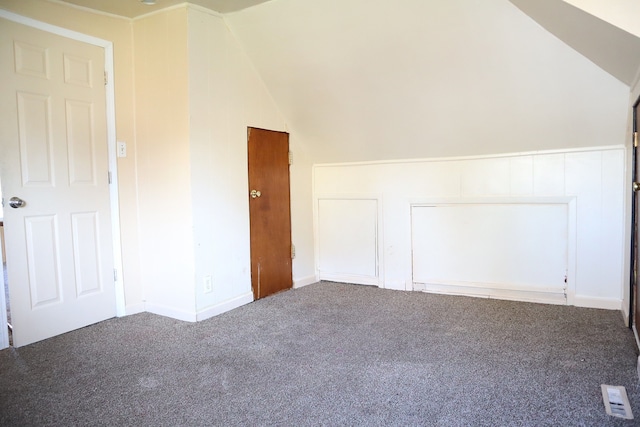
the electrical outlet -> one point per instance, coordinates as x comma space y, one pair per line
208, 285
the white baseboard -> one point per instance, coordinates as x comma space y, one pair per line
134, 309
191, 316
396, 285
170, 312
224, 306
546, 296
594, 302
350, 278
304, 281
625, 313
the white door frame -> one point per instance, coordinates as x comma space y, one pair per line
113, 164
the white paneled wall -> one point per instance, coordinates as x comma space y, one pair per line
586, 185
348, 240
509, 250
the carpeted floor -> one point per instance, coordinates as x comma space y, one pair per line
330, 354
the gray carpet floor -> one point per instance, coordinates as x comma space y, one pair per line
330, 354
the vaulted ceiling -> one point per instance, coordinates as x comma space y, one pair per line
611, 48
373, 79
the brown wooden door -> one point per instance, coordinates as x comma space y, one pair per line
269, 211
635, 256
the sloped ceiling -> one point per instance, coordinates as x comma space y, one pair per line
614, 50
373, 80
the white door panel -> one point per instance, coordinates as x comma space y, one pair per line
55, 158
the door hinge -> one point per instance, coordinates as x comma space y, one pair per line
115, 275
110, 177
106, 78
635, 139
293, 251
290, 158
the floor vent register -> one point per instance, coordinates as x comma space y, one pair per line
616, 401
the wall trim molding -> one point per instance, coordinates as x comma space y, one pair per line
224, 306
595, 302
203, 9
89, 10
476, 157
495, 291
135, 309
163, 310
350, 278
305, 281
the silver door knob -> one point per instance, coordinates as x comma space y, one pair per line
16, 202
255, 193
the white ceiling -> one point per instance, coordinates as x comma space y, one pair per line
611, 48
133, 8
363, 80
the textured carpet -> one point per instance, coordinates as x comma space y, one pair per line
330, 354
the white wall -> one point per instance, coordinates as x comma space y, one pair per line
226, 96
589, 181
163, 152
302, 214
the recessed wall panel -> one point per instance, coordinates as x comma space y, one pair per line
512, 245
43, 259
77, 70
348, 237
34, 133
86, 252
80, 143
31, 60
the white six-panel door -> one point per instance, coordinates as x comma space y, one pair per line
54, 157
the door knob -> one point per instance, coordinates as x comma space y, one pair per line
255, 193
16, 202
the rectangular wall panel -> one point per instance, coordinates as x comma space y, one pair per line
348, 238
80, 140
34, 130
508, 246
86, 252
43, 258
